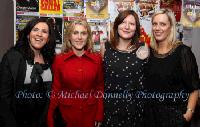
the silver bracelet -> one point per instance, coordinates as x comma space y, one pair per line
191, 110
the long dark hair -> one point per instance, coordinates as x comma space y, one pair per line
23, 46
119, 19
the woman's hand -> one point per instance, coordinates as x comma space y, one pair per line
97, 124
192, 101
188, 115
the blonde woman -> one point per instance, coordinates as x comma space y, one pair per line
78, 80
172, 76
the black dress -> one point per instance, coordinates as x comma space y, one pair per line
123, 77
170, 78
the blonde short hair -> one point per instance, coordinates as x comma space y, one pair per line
172, 36
69, 30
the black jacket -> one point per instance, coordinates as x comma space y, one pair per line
12, 73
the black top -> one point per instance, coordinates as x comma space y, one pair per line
172, 74
20, 99
123, 70
123, 77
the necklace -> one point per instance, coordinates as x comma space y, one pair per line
130, 49
156, 54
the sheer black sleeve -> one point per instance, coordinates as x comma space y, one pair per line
190, 69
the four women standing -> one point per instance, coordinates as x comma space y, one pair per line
171, 74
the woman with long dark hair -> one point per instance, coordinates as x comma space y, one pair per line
25, 74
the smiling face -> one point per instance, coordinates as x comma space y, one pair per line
79, 38
127, 28
39, 36
161, 28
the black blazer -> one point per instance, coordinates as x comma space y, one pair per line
12, 73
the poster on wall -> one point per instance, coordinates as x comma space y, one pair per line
97, 9
21, 21
115, 6
146, 8
50, 7
99, 33
191, 13
57, 25
174, 5
197, 11
145, 31
27, 7
73, 8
